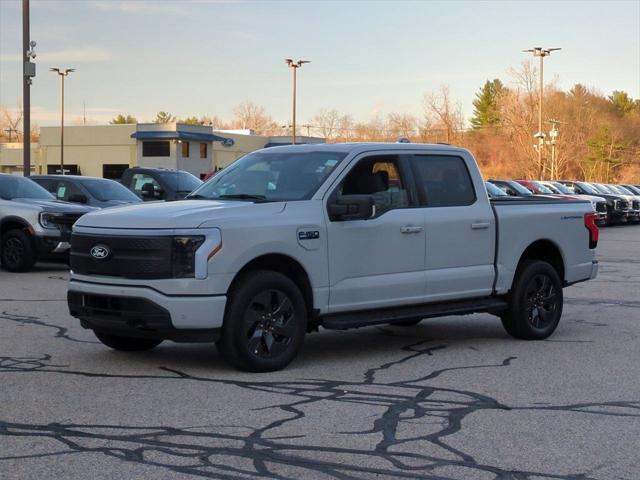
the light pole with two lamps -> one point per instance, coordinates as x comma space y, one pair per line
62, 73
294, 65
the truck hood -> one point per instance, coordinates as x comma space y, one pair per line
54, 205
173, 215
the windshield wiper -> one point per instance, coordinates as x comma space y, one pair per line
244, 196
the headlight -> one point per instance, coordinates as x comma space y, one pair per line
47, 219
184, 255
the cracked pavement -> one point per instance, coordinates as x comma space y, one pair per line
451, 398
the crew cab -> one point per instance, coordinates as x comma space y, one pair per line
159, 183
33, 224
289, 239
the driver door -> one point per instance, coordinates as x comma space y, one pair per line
380, 261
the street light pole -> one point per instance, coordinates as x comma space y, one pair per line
294, 66
62, 74
28, 72
540, 52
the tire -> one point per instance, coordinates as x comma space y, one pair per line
535, 302
127, 344
408, 323
18, 251
264, 323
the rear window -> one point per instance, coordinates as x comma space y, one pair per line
445, 179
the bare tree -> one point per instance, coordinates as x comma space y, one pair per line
10, 120
440, 112
249, 115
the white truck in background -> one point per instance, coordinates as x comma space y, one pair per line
289, 239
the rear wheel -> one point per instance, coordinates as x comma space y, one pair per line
265, 322
127, 344
535, 302
18, 251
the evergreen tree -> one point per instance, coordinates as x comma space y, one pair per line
486, 111
622, 102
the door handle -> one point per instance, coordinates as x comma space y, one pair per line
410, 229
480, 225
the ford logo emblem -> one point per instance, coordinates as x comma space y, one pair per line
100, 252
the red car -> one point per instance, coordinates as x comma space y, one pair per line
538, 188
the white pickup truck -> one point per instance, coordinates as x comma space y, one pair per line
289, 239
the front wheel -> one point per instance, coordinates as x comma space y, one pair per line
535, 302
18, 252
264, 324
127, 344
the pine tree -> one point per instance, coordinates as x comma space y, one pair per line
486, 111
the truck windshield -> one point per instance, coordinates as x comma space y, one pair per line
542, 188
603, 188
588, 188
272, 177
520, 189
12, 187
181, 181
562, 188
494, 191
105, 190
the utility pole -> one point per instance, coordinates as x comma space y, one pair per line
28, 72
540, 52
294, 66
62, 74
553, 135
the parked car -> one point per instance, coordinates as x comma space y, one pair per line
93, 191
633, 188
536, 187
617, 206
33, 224
340, 236
159, 183
512, 188
493, 191
599, 203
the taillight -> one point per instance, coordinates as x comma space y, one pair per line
594, 231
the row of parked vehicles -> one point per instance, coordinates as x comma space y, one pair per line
614, 204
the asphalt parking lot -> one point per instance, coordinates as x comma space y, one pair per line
452, 398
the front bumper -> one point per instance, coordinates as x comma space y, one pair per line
142, 311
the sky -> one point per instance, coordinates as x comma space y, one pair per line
369, 58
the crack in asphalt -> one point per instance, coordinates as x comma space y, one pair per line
61, 332
196, 450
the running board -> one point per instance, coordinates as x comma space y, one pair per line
364, 318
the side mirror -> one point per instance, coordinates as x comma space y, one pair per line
351, 207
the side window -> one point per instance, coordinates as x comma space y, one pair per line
379, 177
139, 179
445, 180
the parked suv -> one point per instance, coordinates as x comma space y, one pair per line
33, 224
94, 191
159, 183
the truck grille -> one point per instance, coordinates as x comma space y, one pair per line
636, 205
622, 205
124, 256
65, 222
601, 206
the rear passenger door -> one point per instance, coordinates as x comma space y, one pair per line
459, 227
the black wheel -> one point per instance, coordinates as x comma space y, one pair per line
535, 302
127, 344
407, 323
264, 324
18, 251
